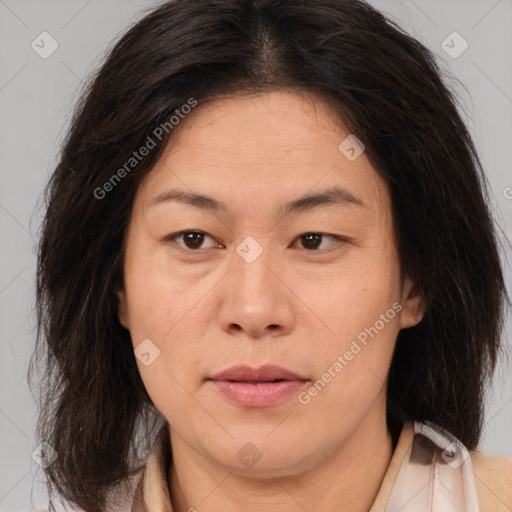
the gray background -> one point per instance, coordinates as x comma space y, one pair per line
36, 98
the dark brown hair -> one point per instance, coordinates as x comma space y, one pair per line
385, 87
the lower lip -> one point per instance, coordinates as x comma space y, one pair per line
258, 395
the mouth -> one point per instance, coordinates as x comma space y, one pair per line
257, 381
257, 387
266, 373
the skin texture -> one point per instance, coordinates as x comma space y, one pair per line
207, 309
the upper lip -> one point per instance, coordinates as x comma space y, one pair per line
265, 373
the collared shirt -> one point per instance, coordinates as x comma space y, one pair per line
429, 471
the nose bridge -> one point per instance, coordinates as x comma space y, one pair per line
255, 300
251, 265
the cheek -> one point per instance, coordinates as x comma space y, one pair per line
354, 296
169, 318
351, 376
172, 377
158, 295
359, 305
170, 390
162, 311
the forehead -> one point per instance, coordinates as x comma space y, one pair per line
249, 150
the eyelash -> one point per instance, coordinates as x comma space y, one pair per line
170, 239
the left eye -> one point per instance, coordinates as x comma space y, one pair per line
194, 239
313, 240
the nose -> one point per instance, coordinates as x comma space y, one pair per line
255, 298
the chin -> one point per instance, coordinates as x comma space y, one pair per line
260, 454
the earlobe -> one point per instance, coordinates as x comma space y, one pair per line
122, 310
413, 305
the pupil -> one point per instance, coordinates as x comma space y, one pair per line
315, 238
192, 241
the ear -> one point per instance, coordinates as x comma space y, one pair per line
413, 303
122, 312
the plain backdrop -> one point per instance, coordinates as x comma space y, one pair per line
36, 98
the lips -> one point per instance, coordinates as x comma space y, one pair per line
249, 375
257, 387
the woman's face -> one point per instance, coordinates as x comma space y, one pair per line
251, 288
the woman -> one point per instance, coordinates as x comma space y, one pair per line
269, 225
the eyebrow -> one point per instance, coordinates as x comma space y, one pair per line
332, 196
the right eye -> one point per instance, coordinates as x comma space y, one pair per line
192, 240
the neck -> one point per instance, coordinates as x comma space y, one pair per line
349, 477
